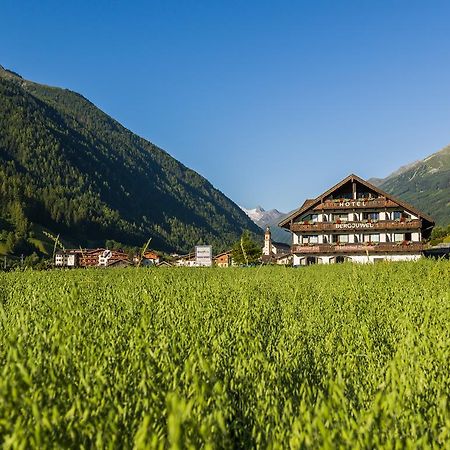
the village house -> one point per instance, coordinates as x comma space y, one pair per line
356, 221
67, 258
224, 259
150, 259
285, 259
98, 257
187, 260
164, 264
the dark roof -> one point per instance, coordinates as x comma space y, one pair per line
227, 252
307, 202
281, 244
352, 177
283, 255
164, 264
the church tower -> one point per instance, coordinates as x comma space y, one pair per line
267, 250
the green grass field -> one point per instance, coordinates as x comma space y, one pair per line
343, 356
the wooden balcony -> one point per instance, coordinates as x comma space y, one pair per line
356, 226
383, 247
374, 203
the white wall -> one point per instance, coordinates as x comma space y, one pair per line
362, 259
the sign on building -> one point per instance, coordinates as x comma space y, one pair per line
203, 255
104, 258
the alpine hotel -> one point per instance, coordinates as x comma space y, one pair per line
356, 221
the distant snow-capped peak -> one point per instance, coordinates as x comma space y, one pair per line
262, 217
255, 214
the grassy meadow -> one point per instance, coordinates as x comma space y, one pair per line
342, 356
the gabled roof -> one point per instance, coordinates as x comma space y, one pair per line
150, 255
308, 204
164, 264
227, 252
281, 244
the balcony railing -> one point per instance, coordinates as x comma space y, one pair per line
382, 247
360, 225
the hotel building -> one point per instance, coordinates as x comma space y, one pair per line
356, 221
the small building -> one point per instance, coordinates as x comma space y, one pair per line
438, 251
150, 259
356, 221
187, 260
98, 257
285, 259
224, 259
66, 258
164, 264
119, 263
90, 257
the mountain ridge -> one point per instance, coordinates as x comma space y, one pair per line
424, 183
69, 166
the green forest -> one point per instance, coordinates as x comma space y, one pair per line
68, 168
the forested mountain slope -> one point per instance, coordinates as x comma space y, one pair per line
425, 184
70, 168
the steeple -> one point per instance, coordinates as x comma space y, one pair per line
267, 250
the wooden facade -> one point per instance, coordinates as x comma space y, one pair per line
224, 259
356, 221
98, 257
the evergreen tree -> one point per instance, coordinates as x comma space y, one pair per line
245, 250
69, 168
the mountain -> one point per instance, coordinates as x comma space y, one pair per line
262, 218
69, 168
425, 184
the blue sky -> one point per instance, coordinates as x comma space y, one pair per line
273, 102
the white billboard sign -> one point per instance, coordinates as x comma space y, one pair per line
203, 255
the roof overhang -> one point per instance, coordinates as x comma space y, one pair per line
312, 204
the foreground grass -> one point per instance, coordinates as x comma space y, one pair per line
328, 356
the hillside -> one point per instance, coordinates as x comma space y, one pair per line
425, 184
67, 167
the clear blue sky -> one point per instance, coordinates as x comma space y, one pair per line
273, 101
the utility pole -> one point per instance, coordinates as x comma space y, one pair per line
21, 259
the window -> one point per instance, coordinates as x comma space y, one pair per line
399, 237
364, 195
371, 216
372, 238
339, 238
397, 215
310, 218
310, 239
343, 217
